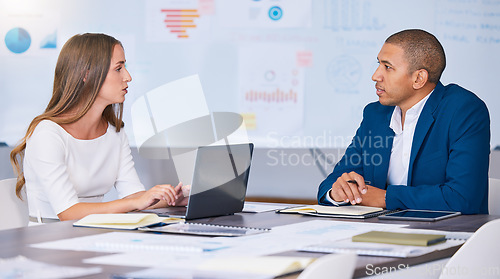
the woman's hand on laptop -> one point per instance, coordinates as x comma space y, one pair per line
159, 196
182, 192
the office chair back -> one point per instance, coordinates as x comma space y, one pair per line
479, 257
13, 211
339, 266
494, 196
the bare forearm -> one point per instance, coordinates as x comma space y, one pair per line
158, 196
82, 209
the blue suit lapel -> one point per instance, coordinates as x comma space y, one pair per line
424, 123
380, 172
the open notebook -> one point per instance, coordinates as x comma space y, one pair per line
348, 211
123, 221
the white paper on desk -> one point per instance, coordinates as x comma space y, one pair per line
114, 242
291, 237
378, 249
22, 267
267, 265
280, 239
172, 273
449, 235
389, 250
183, 261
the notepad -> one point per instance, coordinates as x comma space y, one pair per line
265, 265
414, 239
350, 211
124, 221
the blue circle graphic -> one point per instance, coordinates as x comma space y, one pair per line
18, 40
275, 13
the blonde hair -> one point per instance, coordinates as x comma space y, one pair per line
81, 69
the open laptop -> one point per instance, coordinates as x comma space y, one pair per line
219, 182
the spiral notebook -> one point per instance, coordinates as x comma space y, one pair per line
205, 229
349, 211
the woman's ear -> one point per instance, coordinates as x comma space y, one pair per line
85, 77
420, 78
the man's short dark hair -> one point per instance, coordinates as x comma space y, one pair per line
422, 51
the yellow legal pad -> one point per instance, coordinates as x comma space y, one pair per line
414, 239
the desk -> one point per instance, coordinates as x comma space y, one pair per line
16, 241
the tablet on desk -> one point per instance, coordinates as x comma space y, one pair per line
419, 215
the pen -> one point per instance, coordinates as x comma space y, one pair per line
355, 182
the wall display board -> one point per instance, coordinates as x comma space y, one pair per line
298, 71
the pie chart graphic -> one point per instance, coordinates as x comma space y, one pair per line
18, 40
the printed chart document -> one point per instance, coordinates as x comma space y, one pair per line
389, 250
205, 229
22, 267
118, 242
124, 221
348, 211
188, 251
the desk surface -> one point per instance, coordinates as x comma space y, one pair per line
16, 241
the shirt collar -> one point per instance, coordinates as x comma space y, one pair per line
413, 113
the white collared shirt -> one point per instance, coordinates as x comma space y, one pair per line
401, 146
403, 140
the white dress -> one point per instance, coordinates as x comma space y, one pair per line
61, 171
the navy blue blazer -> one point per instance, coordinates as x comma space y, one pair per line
449, 158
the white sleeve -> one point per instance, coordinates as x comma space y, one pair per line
329, 199
45, 159
127, 181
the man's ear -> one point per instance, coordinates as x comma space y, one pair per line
420, 78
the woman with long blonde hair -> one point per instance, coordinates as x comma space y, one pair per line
76, 151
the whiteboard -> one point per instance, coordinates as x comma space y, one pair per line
299, 71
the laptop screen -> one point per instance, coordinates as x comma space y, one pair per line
220, 180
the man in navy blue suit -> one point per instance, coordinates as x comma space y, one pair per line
423, 145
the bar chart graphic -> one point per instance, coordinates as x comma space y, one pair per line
179, 21
277, 96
